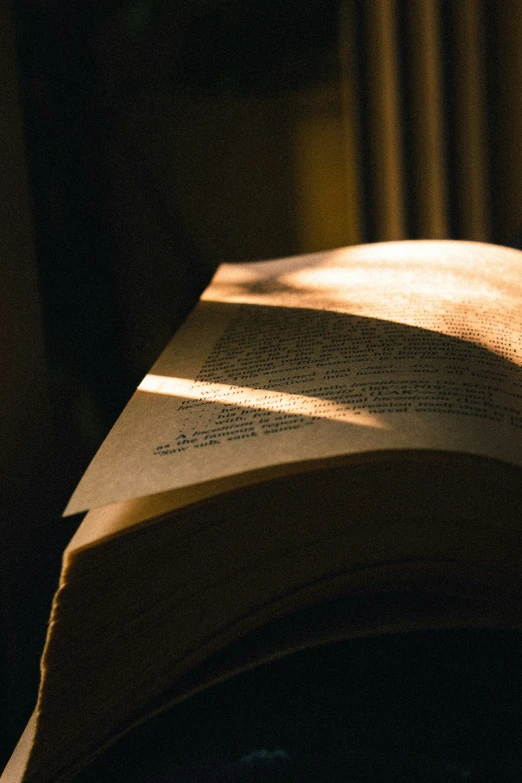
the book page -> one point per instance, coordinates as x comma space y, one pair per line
402, 345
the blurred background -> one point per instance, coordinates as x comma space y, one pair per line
165, 136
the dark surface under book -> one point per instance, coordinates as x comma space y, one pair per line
423, 706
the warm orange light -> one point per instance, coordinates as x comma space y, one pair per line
259, 399
438, 286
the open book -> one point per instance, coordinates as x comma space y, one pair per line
341, 424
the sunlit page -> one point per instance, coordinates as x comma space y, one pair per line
377, 347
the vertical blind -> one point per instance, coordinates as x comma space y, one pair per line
438, 121
423, 116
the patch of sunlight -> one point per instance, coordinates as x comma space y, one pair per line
260, 399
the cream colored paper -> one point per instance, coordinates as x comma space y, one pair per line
14, 771
376, 347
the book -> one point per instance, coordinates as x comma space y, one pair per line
343, 426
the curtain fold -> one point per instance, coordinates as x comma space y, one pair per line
438, 117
